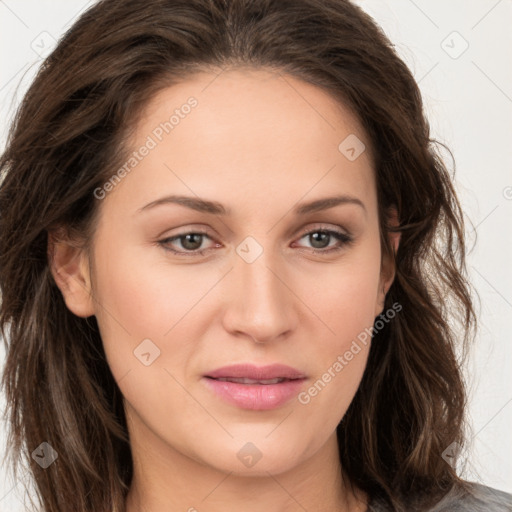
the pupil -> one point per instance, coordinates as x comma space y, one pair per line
315, 236
195, 245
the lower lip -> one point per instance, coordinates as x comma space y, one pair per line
257, 397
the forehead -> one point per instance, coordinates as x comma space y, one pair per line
256, 133
252, 106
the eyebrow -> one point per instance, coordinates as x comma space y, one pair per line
216, 208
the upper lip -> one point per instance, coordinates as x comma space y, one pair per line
250, 371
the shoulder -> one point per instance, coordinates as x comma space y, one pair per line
475, 497
468, 497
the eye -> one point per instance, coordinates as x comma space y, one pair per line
192, 241
320, 238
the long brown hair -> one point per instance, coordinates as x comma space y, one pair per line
68, 136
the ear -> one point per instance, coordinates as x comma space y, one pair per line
388, 263
70, 270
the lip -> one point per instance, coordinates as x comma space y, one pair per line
250, 371
255, 396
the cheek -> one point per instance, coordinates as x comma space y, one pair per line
147, 294
346, 300
346, 304
136, 300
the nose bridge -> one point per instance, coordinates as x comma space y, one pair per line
261, 306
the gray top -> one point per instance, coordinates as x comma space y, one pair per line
478, 498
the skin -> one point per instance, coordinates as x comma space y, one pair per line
259, 143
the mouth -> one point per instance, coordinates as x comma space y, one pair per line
255, 388
260, 374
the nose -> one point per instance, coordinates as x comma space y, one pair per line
260, 303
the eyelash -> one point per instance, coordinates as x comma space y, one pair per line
343, 238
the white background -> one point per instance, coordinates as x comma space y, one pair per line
468, 96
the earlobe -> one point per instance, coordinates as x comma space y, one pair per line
70, 270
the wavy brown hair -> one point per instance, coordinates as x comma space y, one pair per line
67, 137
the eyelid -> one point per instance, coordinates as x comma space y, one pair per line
344, 239
183, 234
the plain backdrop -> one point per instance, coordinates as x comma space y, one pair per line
459, 51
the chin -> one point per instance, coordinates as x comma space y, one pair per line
257, 457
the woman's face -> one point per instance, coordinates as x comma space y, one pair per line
253, 152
